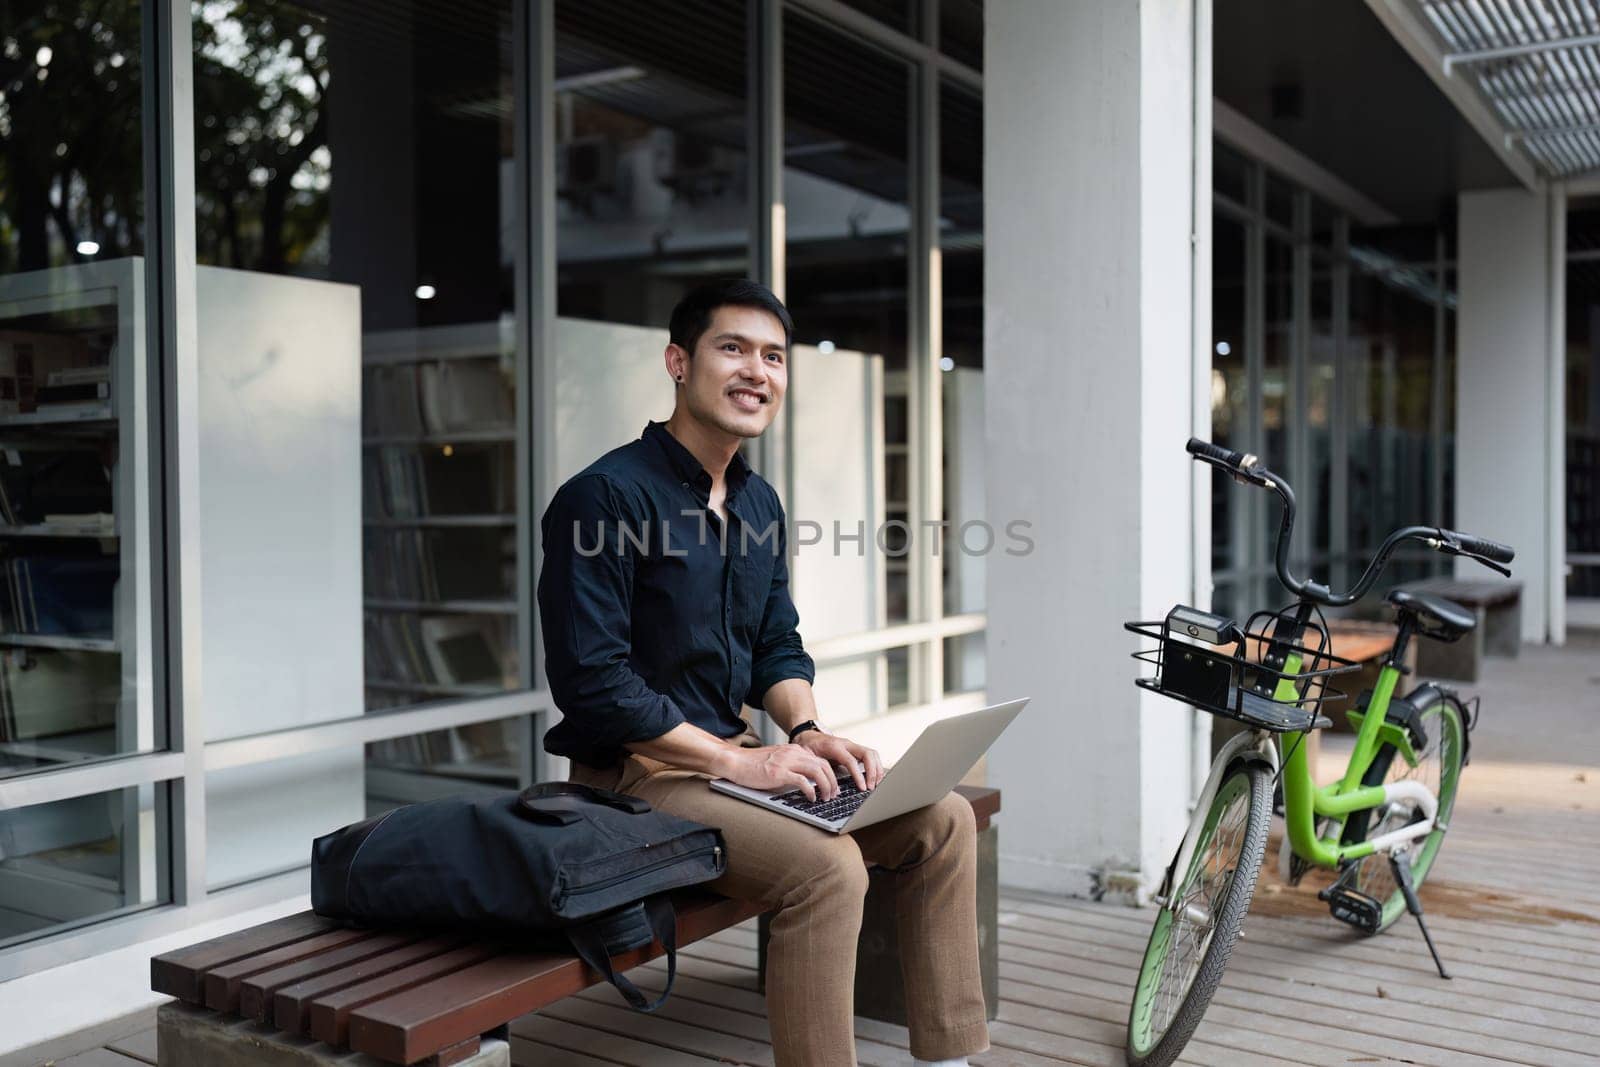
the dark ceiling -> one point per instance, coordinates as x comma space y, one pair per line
1327, 78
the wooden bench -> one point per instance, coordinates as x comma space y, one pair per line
304, 990
1498, 605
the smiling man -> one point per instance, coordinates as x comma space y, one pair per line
665, 605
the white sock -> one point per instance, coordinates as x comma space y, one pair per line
959, 1061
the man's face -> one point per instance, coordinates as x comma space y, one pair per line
739, 372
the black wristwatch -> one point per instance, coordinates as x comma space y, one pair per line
809, 724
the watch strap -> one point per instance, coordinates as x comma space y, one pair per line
809, 724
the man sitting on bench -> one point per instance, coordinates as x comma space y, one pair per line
665, 605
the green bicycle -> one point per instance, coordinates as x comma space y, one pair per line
1379, 826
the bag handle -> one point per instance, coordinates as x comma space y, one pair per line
551, 790
591, 949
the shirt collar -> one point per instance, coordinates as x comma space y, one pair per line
686, 467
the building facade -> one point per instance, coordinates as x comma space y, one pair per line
306, 309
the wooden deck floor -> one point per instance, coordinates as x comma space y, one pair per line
1514, 907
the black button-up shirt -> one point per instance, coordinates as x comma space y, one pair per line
655, 613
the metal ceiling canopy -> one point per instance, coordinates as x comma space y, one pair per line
1535, 66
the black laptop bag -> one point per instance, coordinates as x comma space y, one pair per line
560, 863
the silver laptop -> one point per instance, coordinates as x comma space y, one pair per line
932, 767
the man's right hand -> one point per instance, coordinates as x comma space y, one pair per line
782, 767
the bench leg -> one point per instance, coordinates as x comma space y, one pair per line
1503, 629
187, 1036
880, 993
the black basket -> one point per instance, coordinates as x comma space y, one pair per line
1222, 677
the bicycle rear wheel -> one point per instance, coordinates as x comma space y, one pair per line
1195, 932
1439, 763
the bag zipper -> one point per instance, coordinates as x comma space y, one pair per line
607, 883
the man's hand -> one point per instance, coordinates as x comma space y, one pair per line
848, 754
782, 767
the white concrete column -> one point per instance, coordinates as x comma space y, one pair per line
1090, 289
1510, 392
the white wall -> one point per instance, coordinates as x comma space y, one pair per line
1088, 356
1510, 408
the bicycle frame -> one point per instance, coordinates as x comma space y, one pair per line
1303, 800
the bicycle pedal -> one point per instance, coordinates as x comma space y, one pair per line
1353, 907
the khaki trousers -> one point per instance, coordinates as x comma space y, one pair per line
815, 882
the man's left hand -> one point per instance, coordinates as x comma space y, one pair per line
848, 754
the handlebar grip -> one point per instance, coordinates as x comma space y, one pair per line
1482, 546
1216, 453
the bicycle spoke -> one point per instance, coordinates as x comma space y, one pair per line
1190, 940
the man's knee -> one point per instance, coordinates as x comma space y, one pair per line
950, 824
835, 869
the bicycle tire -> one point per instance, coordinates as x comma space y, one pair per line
1438, 767
1173, 992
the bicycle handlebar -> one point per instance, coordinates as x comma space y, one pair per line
1248, 469
1215, 453
1480, 546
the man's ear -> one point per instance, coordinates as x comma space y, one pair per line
677, 359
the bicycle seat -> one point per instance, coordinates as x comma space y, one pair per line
1441, 619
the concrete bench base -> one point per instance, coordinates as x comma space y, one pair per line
187, 1036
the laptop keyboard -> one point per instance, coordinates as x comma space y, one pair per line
840, 807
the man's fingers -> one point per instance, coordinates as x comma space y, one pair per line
805, 785
827, 781
874, 764
856, 774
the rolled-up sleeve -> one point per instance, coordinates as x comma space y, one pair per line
585, 599
778, 654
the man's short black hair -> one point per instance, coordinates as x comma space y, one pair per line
692, 317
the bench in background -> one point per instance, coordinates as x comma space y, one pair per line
1498, 605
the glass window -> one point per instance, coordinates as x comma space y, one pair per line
320, 792
961, 317
1279, 197
1230, 402
961, 31
846, 182
1583, 409
365, 350
1231, 173
897, 14
1321, 369
75, 584
71, 861
1389, 364
652, 182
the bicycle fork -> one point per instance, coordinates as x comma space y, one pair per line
1262, 748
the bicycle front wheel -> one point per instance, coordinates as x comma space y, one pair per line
1195, 931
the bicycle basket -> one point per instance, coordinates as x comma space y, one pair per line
1206, 661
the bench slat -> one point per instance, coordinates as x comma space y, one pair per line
330, 1012
409, 1026
222, 983
291, 1004
181, 973
255, 992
